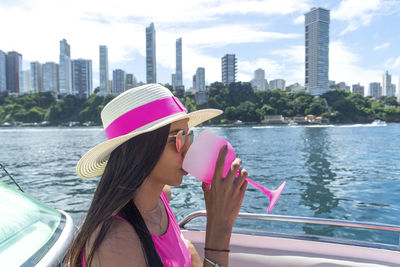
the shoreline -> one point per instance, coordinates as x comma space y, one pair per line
244, 124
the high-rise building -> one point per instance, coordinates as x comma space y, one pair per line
82, 79
50, 77
36, 77
130, 81
374, 89
357, 89
317, 51
229, 69
398, 93
151, 65
277, 84
27, 82
200, 80
393, 92
3, 80
178, 72
386, 84
118, 81
104, 89
65, 74
259, 82
14, 75
343, 86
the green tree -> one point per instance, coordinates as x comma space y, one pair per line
317, 107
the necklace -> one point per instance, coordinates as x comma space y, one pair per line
153, 218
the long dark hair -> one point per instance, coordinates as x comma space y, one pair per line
127, 168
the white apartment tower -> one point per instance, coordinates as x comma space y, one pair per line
50, 77
27, 81
259, 82
104, 88
200, 81
277, 84
229, 69
388, 88
65, 74
317, 51
151, 64
36, 77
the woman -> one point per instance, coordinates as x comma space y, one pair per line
129, 222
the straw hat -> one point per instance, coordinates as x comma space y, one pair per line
136, 111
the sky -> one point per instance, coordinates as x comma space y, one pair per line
269, 34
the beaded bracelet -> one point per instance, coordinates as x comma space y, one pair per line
217, 250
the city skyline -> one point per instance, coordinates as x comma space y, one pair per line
266, 35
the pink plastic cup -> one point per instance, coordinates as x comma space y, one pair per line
202, 155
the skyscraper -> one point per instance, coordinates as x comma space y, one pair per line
259, 82
104, 89
65, 75
14, 72
130, 81
50, 77
386, 84
178, 72
357, 89
229, 69
317, 51
82, 79
36, 77
27, 81
200, 80
118, 81
151, 65
374, 90
3, 81
277, 84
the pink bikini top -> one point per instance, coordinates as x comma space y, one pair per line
171, 246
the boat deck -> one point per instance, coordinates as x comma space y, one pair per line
279, 249
252, 250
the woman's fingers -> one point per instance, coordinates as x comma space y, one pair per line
241, 178
233, 170
219, 166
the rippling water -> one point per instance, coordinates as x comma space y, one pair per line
349, 172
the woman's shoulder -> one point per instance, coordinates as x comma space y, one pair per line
121, 246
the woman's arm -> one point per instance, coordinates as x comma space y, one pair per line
194, 255
223, 200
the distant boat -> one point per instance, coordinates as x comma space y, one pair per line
378, 123
293, 123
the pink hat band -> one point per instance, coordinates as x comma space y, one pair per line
143, 115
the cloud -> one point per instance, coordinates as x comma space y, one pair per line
266, 7
344, 65
356, 12
392, 63
382, 46
299, 20
246, 68
221, 35
121, 26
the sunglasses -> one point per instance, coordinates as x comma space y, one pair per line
181, 137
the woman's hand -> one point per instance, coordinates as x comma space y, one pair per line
223, 200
